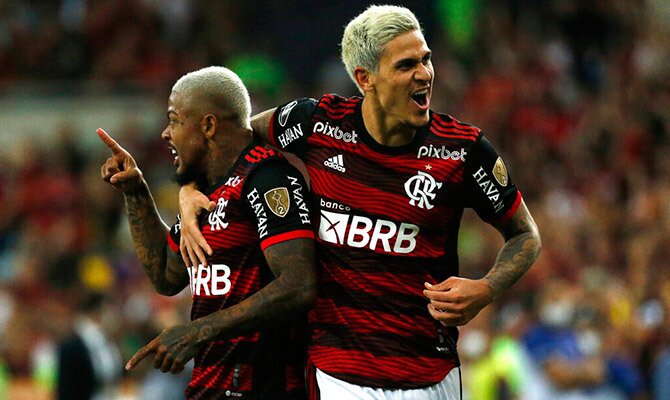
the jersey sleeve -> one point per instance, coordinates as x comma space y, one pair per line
290, 125
490, 190
174, 236
275, 194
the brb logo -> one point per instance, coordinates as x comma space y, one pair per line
210, 280
360, 232
420, 188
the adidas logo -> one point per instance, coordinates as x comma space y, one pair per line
336, 163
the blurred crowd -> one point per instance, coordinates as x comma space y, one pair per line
574, 94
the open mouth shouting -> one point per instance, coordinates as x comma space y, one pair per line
420, 97
173, 150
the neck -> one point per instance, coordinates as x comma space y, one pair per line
383, 128
222, 156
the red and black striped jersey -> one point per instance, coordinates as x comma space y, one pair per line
258, 203
388, 222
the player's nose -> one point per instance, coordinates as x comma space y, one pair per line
424, 73
166, 134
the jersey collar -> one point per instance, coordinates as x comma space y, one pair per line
410, 147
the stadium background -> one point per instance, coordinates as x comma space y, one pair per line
574, 94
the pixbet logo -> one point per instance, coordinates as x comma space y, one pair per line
335, 132
358, 231
443, 153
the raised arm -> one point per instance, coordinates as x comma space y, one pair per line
456, 301
148, 230
292, 292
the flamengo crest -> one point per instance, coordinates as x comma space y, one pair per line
421, 190
216, 217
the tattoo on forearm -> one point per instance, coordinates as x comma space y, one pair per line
149, 234
516, 256
289, 294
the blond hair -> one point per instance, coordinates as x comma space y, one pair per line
366, 36
217, 87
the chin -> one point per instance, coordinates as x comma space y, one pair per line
184, 177
420, 120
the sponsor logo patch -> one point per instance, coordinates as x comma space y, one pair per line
334, 205
443, 152
336, 163
259, 211
290, 134
278, 201
335, 132
489, 189
360, 232
209, 280
296, 188
233, 181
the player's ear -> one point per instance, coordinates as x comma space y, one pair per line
209, 122
364, 79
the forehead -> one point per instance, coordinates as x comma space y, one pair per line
410, 44
177, 102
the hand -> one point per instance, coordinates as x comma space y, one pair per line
120, 170
174, 347
456, 301
192, 244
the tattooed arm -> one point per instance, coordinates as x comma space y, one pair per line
456, 301
148, 230
521, 249
292, 292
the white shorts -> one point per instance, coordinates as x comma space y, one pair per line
334, 389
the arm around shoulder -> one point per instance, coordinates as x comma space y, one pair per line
291, 293
260, 124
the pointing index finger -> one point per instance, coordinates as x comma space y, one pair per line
141, 353
111, 143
